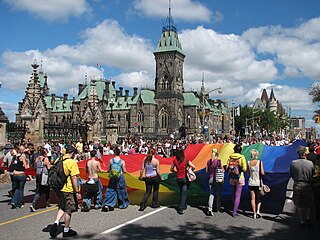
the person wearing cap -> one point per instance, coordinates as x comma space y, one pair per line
69, 195
302, 171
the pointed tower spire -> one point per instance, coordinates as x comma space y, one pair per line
272, 97
169, 40
202, 84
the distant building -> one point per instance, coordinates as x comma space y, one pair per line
153, 113
271, 103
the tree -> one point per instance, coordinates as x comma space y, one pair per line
259, 120
315, 95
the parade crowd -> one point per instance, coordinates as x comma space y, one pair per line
305, 172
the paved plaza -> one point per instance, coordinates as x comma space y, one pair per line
161, 223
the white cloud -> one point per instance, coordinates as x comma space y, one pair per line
225, 58
186, 10
297, 49
51, 10
66, 65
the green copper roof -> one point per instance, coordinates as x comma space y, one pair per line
60, 106
41, 79
100, 87
147, 96
48, 100
169, 41
190, 99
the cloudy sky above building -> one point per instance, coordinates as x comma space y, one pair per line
241, 46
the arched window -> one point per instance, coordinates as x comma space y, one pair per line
188, 121
140, 116
164, 120
119, 118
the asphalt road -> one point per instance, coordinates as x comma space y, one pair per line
161, 223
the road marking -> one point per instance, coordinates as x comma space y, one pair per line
28, 216
133, 220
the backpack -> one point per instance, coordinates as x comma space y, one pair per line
234, 169
57, 177
115, 169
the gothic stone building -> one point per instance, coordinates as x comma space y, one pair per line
99, 106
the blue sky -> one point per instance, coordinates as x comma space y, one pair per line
241, 46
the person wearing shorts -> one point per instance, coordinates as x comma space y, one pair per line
302, 171
68, 196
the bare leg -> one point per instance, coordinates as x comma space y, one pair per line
258, 202
67, 220
253, 202
60, 214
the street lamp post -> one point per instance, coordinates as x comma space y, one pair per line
203, 93
233, 115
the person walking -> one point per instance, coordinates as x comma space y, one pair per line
93, 184
41, 166
117, 188
236, 166
302, 171
18, 165
69, 195
256, 172
214, 168
179, 166
151, 167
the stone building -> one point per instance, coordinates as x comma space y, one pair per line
99, 106
271, 103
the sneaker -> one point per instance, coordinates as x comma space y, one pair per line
259, 215
97, 207
210, 213
13, 206
235, 214
48, 204
70, 233
84, 207
105, 209
180, 211
54, 230
32, 209
255, 215
155, 206
142, 208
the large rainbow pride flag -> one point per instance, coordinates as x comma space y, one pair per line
276, 159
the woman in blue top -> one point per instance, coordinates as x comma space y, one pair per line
152, 179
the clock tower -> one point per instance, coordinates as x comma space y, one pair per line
169, 89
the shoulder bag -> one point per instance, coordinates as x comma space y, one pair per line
191, 176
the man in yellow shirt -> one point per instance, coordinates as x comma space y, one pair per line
69, 195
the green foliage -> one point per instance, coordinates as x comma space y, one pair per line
259, 119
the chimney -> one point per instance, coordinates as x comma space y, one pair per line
117, 93
127, 93
135, 91
106, 90
53, 99
120, 91
113, 84
65, 97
